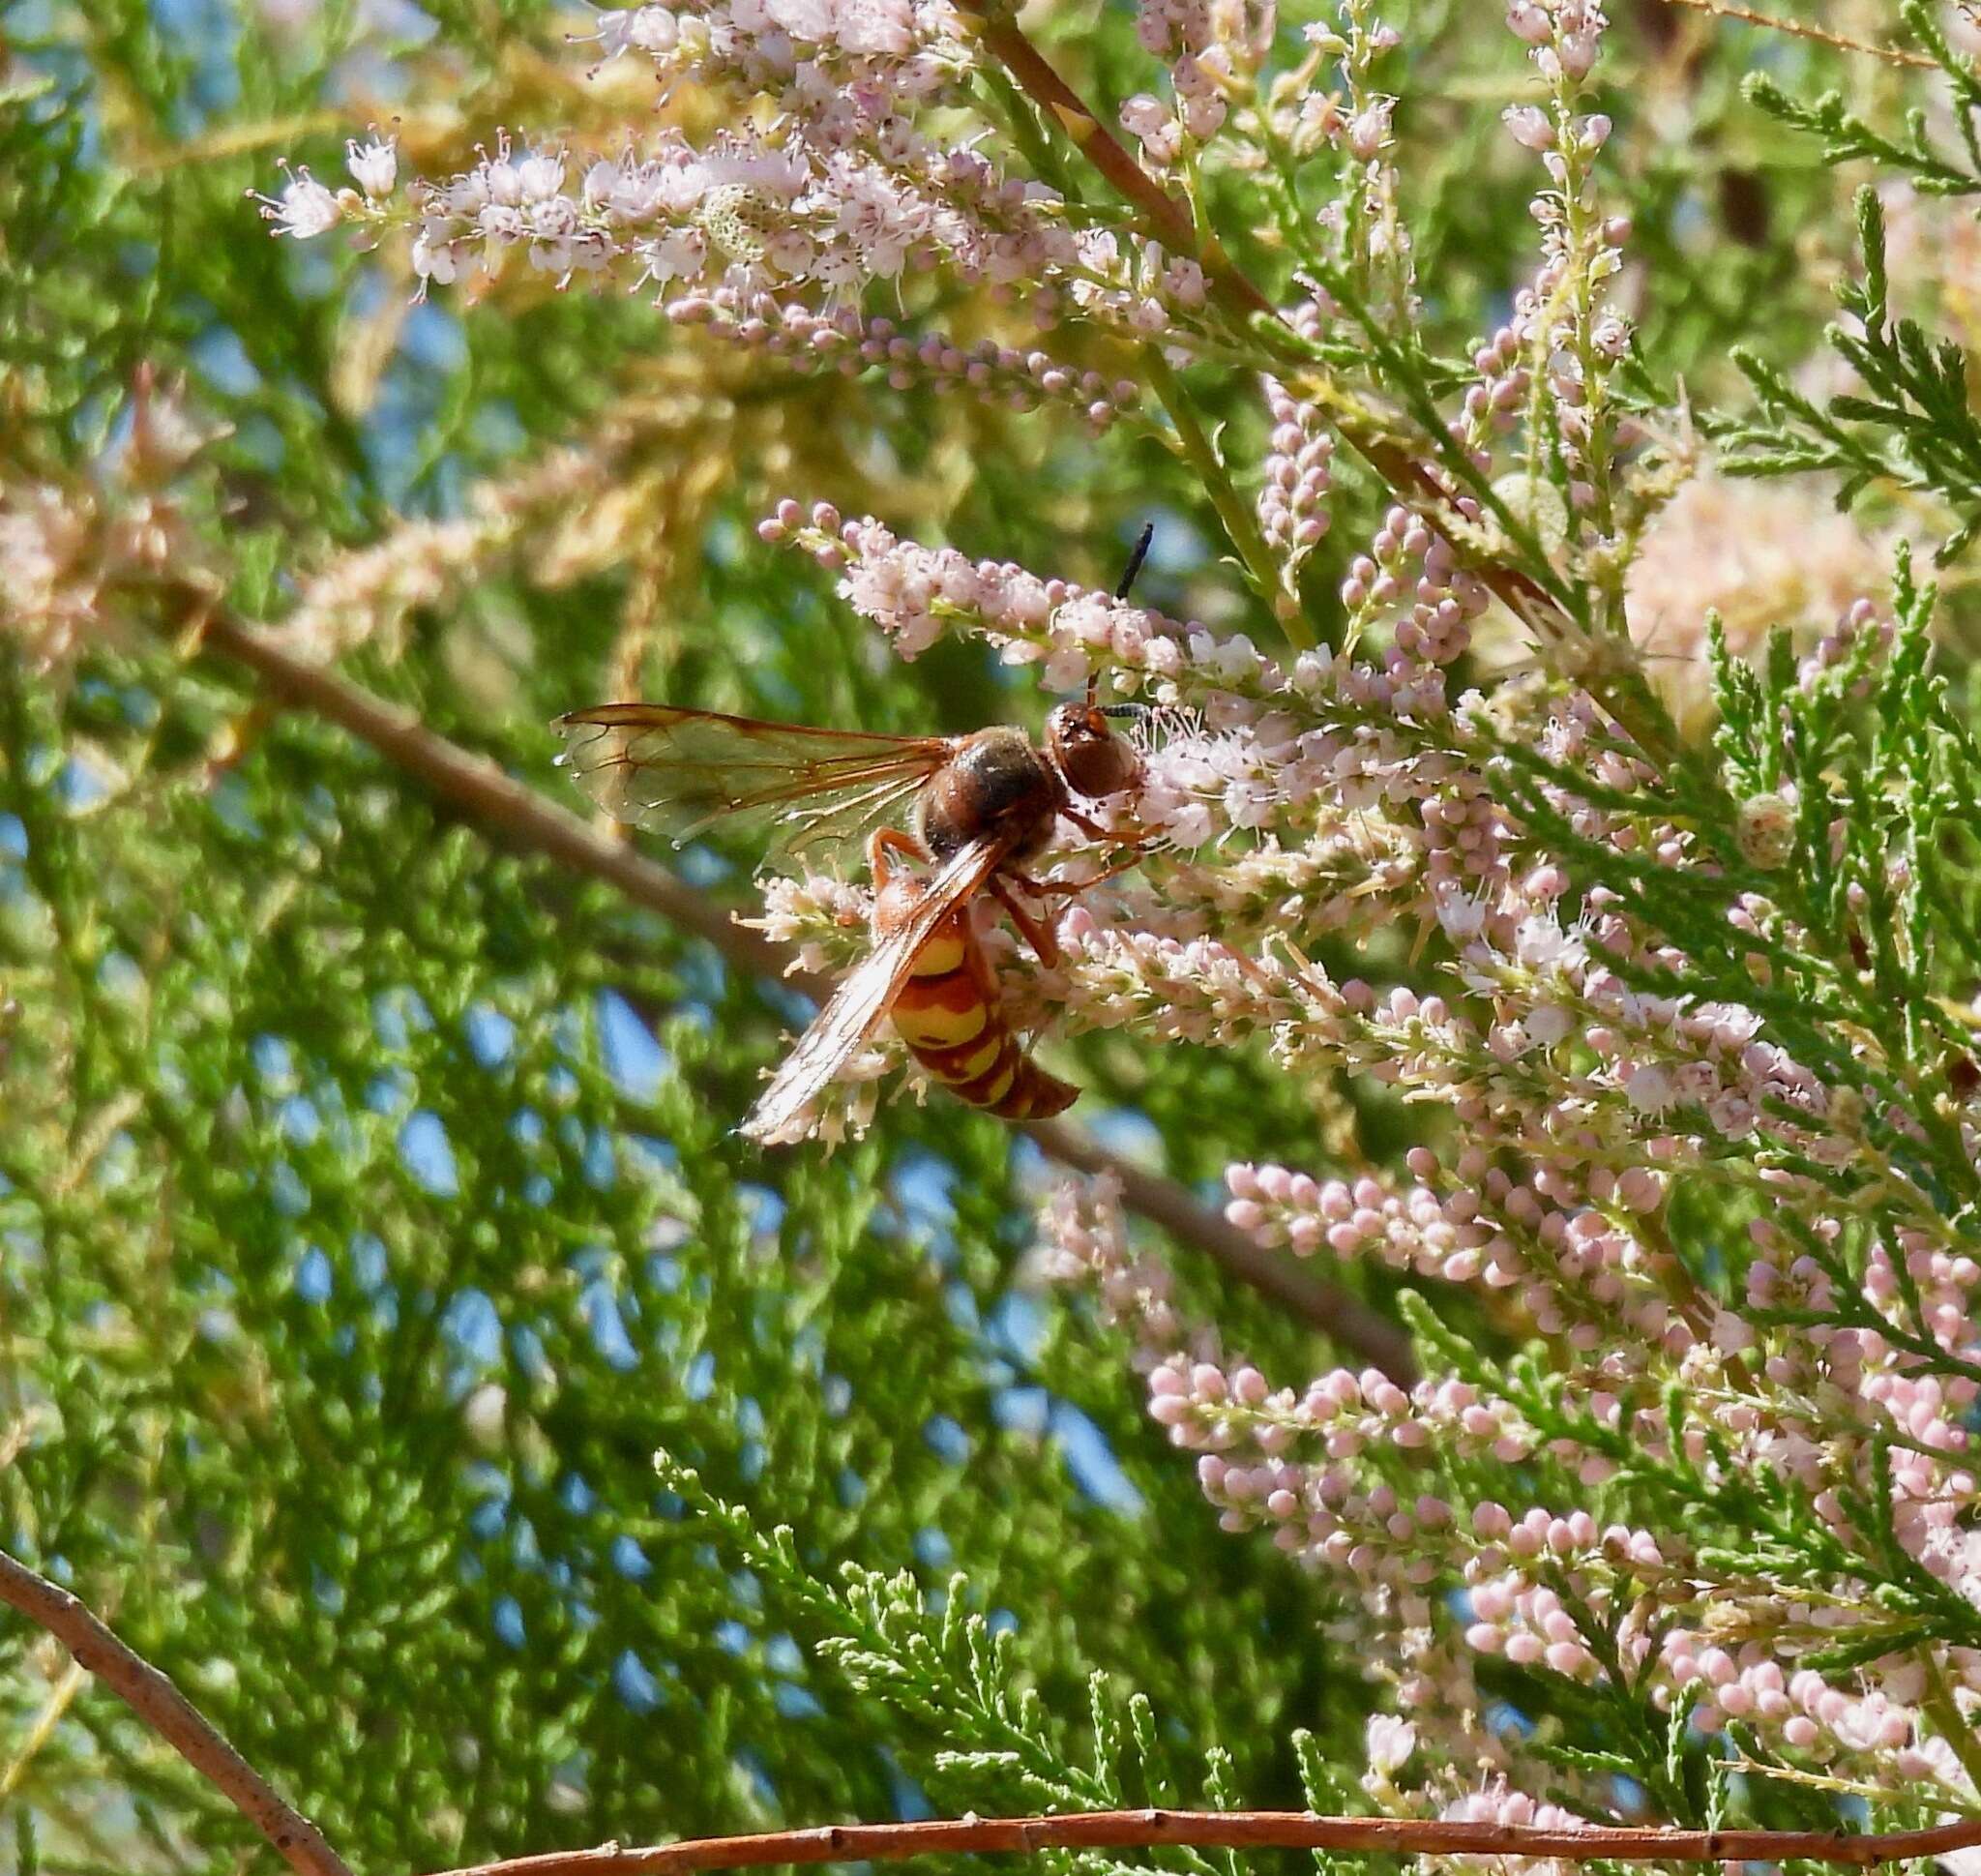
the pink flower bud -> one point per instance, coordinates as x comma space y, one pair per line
1530, 126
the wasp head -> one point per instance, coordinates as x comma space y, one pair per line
1090, 757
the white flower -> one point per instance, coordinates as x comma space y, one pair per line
1184, 282
600, 181
655, 31
806, 19
679, 186
553, 219
677, 256
373, 167
1530, 126
500, 222
1529, 22
1541, 944
1648, 1088
1547, 1025
613, 35
434, 256
1189, 825
1390, 1743
876, 27
539, 177
1249, 800
1462, 914
764, 171
840, 274
1368, 129
878, 221
304, 210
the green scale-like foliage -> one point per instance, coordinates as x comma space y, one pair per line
254, 1338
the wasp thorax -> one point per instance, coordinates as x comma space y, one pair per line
1087, 753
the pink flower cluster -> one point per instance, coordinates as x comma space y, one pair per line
1293, 503
846, 342
850, 64
1574, 1266
1563, 319
1368, 1482
743, 220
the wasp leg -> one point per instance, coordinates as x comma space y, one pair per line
1039, 936
884, 842
1136, 837
1044, 889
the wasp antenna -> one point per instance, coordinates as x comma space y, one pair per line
1135, 559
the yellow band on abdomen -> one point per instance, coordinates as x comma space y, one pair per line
940, 1014
948, 1067
987, 1093
943, 954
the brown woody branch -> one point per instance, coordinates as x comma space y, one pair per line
150, 1694
517, 816
1238, 1830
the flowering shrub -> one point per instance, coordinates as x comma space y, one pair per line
1557, 927
1710, 1158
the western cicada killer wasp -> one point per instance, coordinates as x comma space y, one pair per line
978, 807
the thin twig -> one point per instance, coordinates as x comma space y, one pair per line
61, 1697
1168, 215
151, 1695
1891, 54
1238, 1830
1241, 524
1620, 691
515, 816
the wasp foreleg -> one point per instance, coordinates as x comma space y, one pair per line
1137, 838
1044, 947
1043, 888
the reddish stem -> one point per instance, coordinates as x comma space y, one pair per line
1238, 1831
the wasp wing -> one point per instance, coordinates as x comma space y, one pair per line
866, 995
679, 771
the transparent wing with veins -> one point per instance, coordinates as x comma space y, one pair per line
680, 772
866, 995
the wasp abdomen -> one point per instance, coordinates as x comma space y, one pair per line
948, 1013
